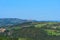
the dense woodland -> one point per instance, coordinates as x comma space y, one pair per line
32, 31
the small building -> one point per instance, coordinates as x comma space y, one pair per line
2, 30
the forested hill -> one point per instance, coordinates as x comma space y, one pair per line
13, 21
32, 31
29, 30
10, 21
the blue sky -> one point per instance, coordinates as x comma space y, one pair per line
30, 9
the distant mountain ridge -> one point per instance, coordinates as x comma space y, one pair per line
15, 21
10, 21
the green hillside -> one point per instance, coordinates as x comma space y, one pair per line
32, 31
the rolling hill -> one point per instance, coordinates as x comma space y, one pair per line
10, 21
29, 30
